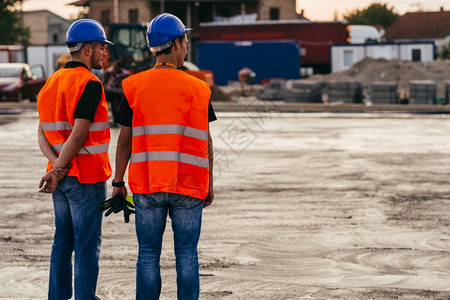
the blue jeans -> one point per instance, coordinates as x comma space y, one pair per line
78, 223
186, 215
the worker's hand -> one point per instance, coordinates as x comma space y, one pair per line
120, 190
62, 172
209, 198
49, 182
116, 204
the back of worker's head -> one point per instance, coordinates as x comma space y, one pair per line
163, 29
82, 32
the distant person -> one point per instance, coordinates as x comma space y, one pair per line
112, 80
165, 139
246, 78
74, 135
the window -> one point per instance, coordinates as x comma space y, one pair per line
105, 17
348, 58
38, 72
55, 38
274, 13
133, 15
416, 55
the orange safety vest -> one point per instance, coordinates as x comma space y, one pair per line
169, 133
56, 104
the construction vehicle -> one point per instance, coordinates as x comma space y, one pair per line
130, 46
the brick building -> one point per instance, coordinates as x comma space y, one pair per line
45, 27
189, 11
421, 26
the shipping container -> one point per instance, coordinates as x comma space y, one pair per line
267, 59
314, 38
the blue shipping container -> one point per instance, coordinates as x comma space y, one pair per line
267, 59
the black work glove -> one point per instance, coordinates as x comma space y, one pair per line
117, 204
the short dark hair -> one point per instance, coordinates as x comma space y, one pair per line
169, 50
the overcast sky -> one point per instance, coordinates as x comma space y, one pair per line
315, 10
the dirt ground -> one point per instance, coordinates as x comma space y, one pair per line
308, 206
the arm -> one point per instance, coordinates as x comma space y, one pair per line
46, 147
210, 197
73, 144
123, 153
70, 149
50, 154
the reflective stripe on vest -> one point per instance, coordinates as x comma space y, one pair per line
171, 129
170, 156
64, 125
95, 149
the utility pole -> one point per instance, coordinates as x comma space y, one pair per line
162, 6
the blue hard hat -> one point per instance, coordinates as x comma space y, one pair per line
86, 30
163, 29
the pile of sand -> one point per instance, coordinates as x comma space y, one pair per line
381, 70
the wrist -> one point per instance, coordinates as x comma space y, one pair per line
118, 183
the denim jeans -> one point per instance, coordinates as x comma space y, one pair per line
78, 223
186, 215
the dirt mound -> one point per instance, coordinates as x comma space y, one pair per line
371, 70
217, 94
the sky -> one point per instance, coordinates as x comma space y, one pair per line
315, 10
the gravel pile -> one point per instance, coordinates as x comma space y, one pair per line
372, 70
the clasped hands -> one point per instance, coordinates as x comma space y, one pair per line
49, 182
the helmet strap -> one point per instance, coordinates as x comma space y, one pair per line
161, 47
76, 47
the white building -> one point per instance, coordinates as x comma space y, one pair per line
344, 56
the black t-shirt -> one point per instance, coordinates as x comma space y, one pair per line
125, 115
91, 97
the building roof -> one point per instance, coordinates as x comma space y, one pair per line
420, 25
30, 12
80, 3
87, 2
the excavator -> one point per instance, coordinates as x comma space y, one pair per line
130, 46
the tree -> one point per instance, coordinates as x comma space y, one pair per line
12, 28
375, 14
444, 52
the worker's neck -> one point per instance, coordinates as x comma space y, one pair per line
166, 60
83, 59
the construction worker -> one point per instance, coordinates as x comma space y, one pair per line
165, 134
246, 77
74, 135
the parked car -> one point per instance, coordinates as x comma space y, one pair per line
19, 81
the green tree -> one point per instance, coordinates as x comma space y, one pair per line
444, 52
12, 28
375, 14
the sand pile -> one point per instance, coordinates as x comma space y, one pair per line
381, 70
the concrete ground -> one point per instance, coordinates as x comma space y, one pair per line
308, 206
